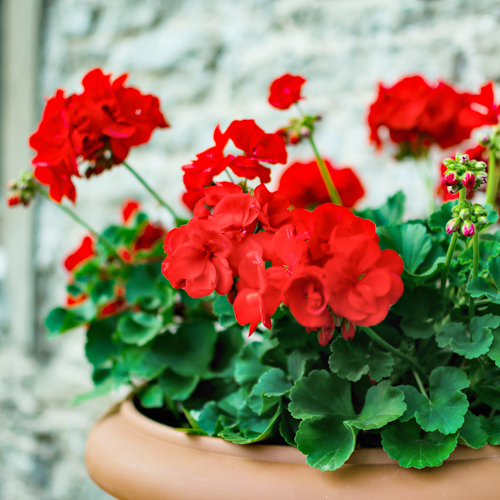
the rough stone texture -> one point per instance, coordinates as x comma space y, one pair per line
211, 62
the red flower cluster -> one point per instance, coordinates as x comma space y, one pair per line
99, 125
285, 91
325, 265
418, 114
478, 153
256, 147
303, 185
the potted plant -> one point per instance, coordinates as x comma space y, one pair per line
335, 339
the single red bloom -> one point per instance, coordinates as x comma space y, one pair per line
303, 185
80, 255
306, 294
196, 259
129, 209
150, 237
363, 281
259, 291
272, 207
285, 91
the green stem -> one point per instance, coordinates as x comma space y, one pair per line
325, 174
475, 269
493, 180
77, 219
451, 249
382, 343
230, 176
420, 384
178, 220
323, 170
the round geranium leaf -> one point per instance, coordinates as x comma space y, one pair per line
326, 441
383, 404
139, 328
357, 357
444, 410
404, 442
472, 433
269, 390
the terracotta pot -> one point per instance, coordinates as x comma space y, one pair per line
134, 458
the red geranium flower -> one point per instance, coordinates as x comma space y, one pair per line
197, 259
418, 114
259, 292
285, 91
363, 281
80, 255
129, 209
303, 185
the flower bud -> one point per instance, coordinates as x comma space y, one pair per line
464, 213
469, 180
294, 137
478, 209
14, 199
485, 140
449, 163
463, 159
468, 229
453, 225
480, 165
482, 220
449, 178
348, 330
482, 178
453, 189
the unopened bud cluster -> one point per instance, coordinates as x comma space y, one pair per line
463, 173
21, 191
467, 218
298, 129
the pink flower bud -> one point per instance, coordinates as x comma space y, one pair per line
453, 225
14, 199
468, 229
469, 180
453, 189
482, 177
449, 179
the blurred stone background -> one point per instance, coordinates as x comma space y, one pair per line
210, 62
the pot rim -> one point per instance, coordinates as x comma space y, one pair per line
263, 452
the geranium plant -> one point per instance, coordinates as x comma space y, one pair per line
288, 317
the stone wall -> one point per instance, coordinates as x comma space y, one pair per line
211, 62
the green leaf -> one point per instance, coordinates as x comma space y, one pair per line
411, 241
297, 361
209, 418
494, 270
417, 328
357, 357
479, 286
383, 404
252, 428
445, 409
288, 427
403, 442
321, 394
100, 390
492, 214
152, 397
61, 320
439, 219
224, 309
413, 399
490, 395
269, 390
389, 213
494, 352
103, 292
326, 441
100, 346
471, 433
138, 327
248, 366
492, 429
177, 386
454, 335
140, 362
228, 346
142, 282
190, 351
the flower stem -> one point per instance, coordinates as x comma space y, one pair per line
382, 343
420, 384
475, 269
493, 180
230, 176
178, 220
77, 219
451, 249
325, 174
